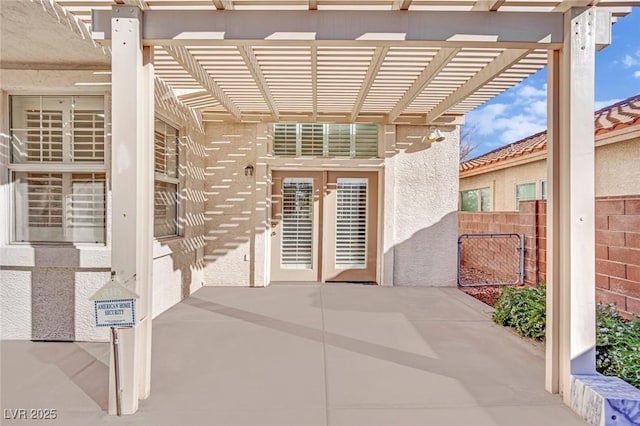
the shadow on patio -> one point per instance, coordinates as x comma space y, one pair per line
325, 355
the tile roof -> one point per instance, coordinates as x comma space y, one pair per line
623, 114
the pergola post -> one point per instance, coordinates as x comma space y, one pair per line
571, 330
132, 198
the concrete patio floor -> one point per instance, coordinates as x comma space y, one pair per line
303, 355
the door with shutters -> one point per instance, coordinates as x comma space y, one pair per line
324, 226
350, 224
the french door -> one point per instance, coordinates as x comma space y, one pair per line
324, 226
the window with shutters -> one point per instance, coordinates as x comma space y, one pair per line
325, 140
166, 180
58, 169
297, 223
351, 224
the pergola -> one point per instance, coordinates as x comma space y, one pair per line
381, 61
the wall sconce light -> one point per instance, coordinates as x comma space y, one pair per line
434, 135
248, 171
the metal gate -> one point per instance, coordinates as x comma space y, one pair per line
490, 259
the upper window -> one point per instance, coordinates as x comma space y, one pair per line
166, 182
57, 168
525, 192
325, 140
475, 200
543, 189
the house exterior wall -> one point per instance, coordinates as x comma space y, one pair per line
503, 183
46, 287
413, 219
424, 181
617, 170
617, 173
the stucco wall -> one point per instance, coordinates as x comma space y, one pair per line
45, 288
618, 168
230, 203
616, 163
424, 180
503, 183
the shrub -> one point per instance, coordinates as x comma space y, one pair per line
617, 345
617, 341
522, 309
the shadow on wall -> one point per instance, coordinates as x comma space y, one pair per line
419, 262
230, 204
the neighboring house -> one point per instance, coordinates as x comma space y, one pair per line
500, 179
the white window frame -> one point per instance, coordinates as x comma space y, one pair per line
171, 180
515, 193
479, 191
541, 195
65, 168
325, 143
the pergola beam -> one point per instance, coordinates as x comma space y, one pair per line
369, 78
345, 27
401, 4
501, 63
181, 55
314, 82
437, 63
223, 4
254, 68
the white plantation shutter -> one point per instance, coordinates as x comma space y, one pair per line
333, 140
88, 135
165, 208
41, 138
297, 223
366, 140
166, 183
339, 140
54, 206
285, 139
312, 139
85, 207
351, 224
44, 194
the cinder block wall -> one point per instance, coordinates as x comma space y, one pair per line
618, 252
530, 221
617, 229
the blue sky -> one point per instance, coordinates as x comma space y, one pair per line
522, 110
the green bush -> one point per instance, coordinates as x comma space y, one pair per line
523, 309
617, 345
617, 341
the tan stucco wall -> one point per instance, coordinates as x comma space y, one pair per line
617, 172
418, 201
618, 168
45, 288
503, 183
230, 203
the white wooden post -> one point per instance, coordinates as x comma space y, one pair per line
132, 196
571, 214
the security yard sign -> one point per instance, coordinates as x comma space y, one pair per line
114, 305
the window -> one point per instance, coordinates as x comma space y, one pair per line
475, 200
525, 192
57, 168
165, 214
543, 189
325, 140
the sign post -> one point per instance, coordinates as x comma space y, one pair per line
115, 307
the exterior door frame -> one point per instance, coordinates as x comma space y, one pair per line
379, 226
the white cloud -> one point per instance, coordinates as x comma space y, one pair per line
481, 120
527, 91
601, 104
629, 61
636, 74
